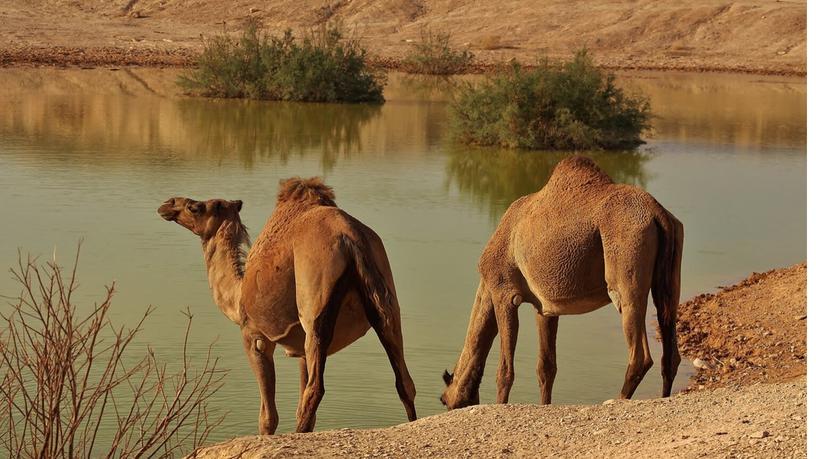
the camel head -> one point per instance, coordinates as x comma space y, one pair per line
459, 394
203, 218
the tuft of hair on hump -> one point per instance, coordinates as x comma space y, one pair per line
310, 190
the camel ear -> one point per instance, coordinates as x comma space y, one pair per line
238, 205
447, 377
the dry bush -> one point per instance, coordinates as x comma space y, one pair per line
434, 54
67, 375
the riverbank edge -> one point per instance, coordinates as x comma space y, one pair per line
762, 413
764, 420
91, 57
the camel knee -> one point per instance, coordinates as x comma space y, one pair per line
505, 375
406, 389
647, 364
547, 369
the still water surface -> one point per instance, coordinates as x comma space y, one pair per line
91, 154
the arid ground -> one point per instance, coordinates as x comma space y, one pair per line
699, 35
749, 402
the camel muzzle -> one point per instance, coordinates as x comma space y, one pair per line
168, 214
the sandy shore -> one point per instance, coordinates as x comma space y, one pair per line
749, 401
692, 35
764, 420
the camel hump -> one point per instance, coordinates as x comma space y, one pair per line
308, 190
577, 171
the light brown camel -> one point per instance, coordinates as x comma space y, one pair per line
313, 283
576, 245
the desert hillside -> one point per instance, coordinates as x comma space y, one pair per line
753, 36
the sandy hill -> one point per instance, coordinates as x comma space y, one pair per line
758, 36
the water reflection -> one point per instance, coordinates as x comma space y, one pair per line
739, 110
90, 154
494, 178
251, 129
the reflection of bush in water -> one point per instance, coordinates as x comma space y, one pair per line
275, 129
496, 178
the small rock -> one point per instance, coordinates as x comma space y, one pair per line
802, 317
253, 10
506, 450
701, 364
610, 401
760, 434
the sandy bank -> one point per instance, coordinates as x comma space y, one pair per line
725, 414
736, 36
765, 420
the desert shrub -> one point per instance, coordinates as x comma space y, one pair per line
572, 105
434, 55
322, 67
72, 387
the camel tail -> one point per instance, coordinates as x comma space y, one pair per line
666, 291
373, 285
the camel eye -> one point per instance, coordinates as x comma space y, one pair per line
196, 207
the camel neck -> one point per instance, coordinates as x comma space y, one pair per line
224, 256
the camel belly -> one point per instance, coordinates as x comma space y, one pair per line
564, 270
577, 305
351, 325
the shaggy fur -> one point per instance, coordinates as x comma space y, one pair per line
311, 190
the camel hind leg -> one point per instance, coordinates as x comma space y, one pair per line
321, 307
629, 259
378, 297
389, 331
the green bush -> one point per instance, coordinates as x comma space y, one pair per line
566, 106
433, 55
320, 68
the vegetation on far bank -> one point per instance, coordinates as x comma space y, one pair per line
322, 67
572, 105
433, 54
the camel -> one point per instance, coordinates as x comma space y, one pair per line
574, 246
314, 282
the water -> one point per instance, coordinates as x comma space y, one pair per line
91, 154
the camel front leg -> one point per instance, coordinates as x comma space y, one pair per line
259, 351
304, 377
507, 321
547, 331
